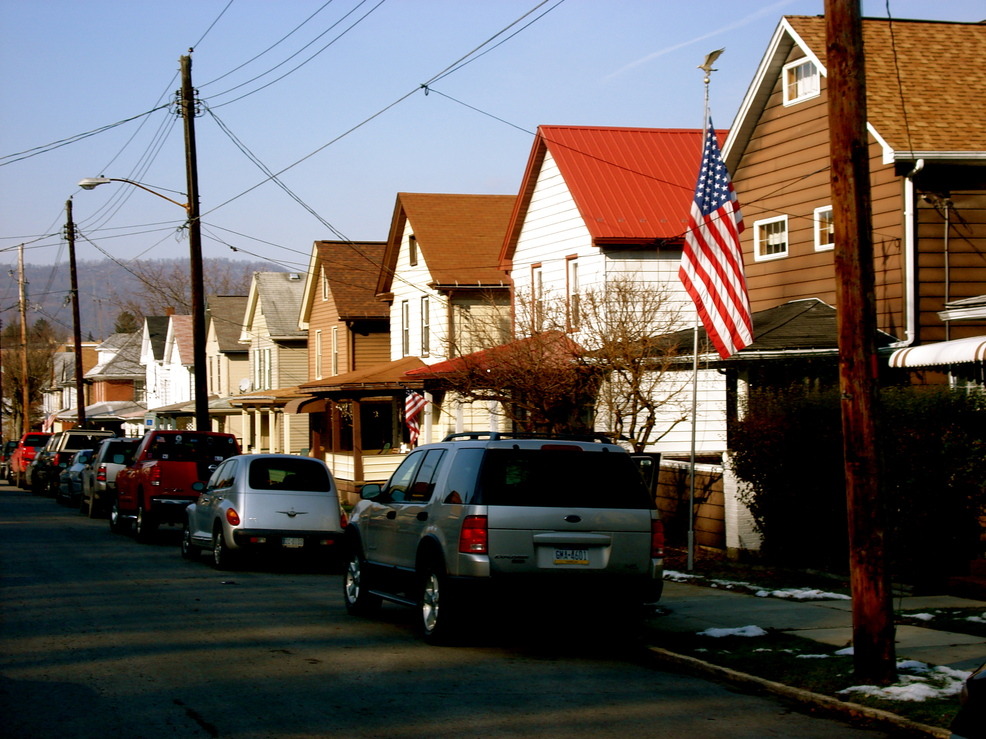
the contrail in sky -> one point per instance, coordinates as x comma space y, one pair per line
770, 9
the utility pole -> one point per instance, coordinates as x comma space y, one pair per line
25, 390
80, 387
201, 383
872, 607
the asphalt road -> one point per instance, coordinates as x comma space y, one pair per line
105, 637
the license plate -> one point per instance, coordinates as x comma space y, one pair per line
292, 542
571, 556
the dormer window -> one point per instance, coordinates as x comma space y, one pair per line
770, 239
801, 81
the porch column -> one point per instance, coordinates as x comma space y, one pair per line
357, 441
275, 431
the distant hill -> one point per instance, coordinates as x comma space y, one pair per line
106, 288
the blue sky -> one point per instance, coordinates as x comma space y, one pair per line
340, 114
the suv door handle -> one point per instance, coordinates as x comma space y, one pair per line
391, 514
423, 516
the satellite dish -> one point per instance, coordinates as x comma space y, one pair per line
245, 384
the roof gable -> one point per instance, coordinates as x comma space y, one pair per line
226, 313
459, 237
631, 185
277, 295
352, 269
922, 96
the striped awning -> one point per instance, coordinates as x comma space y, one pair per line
956, 351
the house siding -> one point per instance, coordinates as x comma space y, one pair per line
785, 170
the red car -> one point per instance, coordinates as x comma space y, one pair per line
26, 450
156, 487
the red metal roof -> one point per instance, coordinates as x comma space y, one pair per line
631, 185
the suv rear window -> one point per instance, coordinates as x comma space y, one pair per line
561, 478
35, 440
192, 447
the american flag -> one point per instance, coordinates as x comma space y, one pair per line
712, 260
413, 405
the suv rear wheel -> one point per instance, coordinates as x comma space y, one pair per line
438, 606
355, 590
116, 521
188, 550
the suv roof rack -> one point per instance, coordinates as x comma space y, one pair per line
494, 435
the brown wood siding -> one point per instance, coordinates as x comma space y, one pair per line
673, 493
966, 263
325, 316
372, 349
785, 170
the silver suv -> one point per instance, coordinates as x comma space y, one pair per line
486, 514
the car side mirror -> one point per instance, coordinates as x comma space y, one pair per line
370, 491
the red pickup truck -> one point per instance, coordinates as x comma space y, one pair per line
26, 450
156, 486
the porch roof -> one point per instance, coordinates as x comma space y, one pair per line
942, 353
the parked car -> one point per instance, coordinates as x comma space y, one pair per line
99, 480
484, 515
156, 487
28, 475
970, 721
5, 452
63, 445
27, 447
70, 479
265, 502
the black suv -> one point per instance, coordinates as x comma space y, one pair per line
484, 514
60, 449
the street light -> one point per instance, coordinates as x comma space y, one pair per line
201, 388
187, 107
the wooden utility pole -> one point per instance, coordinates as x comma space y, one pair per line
872, 608
80, 387
25, 390
199, 369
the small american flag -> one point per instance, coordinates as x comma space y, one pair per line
712, 260
414, 403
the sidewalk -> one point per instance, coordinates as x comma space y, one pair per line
694, 608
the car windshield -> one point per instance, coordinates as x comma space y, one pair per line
561, 478
36, 440
192, 447
282, 473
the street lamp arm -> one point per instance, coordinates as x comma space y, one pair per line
91, 182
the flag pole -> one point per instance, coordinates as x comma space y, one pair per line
706, 67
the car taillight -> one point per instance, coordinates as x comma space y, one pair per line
155, 475
656, 539
474, 537
232, 517
101, 473
343, 519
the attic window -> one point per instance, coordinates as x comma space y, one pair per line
412, 250
801, 81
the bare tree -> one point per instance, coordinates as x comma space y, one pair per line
627, 328
166, 285
41, 343
601, 359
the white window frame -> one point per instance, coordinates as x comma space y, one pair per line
799, 88
318, 354
572, 290
425, 327
405, 328
823, 228
412, 250
335, 351
758, 226
325, 285
268, 370
537, 297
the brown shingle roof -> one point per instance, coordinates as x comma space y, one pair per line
226, 312
940, 102
352, 269
459, 236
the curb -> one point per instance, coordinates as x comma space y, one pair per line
823, 702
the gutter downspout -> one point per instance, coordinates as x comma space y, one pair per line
910, 259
